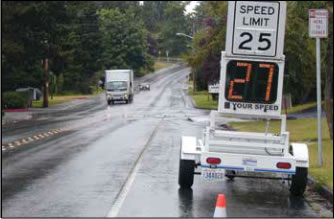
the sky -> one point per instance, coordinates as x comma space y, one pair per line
191, 6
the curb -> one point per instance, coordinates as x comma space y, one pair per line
15, 110
323, 190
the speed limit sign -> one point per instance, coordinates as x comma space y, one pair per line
256, 29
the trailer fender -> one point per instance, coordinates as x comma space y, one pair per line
300, 152
188, 148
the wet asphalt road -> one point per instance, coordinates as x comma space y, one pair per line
122, 160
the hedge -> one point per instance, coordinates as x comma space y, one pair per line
15, 100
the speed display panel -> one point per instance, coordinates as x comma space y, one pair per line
251, 82
250, 86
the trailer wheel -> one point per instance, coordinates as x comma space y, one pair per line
186, 173
299, 182
230, 174
109, 102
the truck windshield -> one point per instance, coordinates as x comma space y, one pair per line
116, 86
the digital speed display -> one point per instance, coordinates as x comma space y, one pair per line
251, 82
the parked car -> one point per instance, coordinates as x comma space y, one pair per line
144, 86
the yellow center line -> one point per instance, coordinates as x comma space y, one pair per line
35, 137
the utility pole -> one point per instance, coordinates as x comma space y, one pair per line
46, 83
193, 73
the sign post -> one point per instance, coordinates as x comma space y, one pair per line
318, 28
167, 52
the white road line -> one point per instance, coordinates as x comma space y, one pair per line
50, 133
35, 137
10, 145
17, 143
117, 205
46, 134
41, 136
30, 139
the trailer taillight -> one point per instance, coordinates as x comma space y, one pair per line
213, 160
283, 165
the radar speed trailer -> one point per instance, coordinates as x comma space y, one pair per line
251, 84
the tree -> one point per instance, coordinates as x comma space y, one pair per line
152, 15
124, 41
31, 35
174, 21
83, 58
208, 43
16, 62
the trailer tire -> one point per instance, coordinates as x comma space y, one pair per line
230, 174
299, 181
186, 173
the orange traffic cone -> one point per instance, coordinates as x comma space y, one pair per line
220, 210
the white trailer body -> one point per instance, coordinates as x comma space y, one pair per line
221, 153
119, 85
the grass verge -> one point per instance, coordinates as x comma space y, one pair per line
302, 107
302, 130
160, 65
56, 100
63, 99
203, 99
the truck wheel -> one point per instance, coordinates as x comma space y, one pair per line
299, 182
186, 173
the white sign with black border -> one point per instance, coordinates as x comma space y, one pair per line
214, 88
318, 23
256, 29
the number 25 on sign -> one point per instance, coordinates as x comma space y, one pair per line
256, 29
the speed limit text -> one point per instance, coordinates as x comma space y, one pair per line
256, 10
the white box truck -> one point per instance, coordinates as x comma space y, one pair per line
119, 85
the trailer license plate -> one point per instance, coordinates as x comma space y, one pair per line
213, 174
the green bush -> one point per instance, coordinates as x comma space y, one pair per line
15, 100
